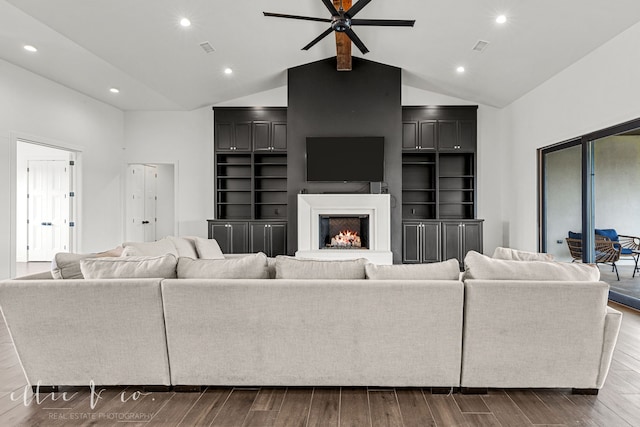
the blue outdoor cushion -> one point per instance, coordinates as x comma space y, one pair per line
626, 251
573, 235
609, 233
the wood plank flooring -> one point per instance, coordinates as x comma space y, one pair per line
617, 405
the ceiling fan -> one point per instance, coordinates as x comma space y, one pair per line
341, 22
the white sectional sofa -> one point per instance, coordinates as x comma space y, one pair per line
318, 323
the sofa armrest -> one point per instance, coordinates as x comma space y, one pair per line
45, 275
612, 322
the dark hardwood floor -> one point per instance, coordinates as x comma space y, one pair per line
618, 403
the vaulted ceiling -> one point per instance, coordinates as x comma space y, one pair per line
139, 47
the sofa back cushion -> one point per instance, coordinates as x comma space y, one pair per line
162, 266
66, 265
160, 247
446, 270
516, 255
478, 266
185, 246
252, 266
298, 268
609, 233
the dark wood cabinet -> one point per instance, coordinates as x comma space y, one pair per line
419, 135
268, 237
231, 236
457, 135
233, 136
279, 136
421, 242
236, 237
460, 237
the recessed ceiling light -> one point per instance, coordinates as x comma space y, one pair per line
185, 22
501, 19
228, 71
460, 69
114, 90
30, 48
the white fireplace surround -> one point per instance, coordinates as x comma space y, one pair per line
377, 206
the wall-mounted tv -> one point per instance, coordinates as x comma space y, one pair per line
345, 159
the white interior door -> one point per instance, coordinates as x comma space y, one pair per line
48, 209
141, 203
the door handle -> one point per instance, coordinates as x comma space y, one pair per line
45, 223
145, 222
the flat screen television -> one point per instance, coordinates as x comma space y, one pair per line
359, 159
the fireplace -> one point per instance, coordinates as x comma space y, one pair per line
368, 215
344, 232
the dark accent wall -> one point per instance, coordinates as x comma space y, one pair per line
363, 102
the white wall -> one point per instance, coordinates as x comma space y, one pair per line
184, 139
32, 105
596, 92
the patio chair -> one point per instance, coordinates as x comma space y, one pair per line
629, 245
607, 252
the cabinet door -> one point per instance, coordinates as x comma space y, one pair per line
451, 240
472, 237
221, 232
242, 136
261, 136
278, 239
409, 135
467, 135
411, 242
259, 237
224, 136
448, 134
427, 139
279, 136
430, 242
239, 238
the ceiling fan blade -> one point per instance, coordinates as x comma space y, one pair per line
356, 40
331, 7
305, 18
356, 8
384, 22
317, 39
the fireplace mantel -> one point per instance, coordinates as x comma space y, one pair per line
377, 206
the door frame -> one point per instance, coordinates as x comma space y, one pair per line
17, 137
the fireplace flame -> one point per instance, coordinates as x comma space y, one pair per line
346, 238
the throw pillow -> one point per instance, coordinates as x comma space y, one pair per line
480, 266
516, 255
162, 266
249, 267
298, 268
185, 246
446, 270
160, 247
208, 249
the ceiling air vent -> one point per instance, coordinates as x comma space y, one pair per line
480, 45
206, 46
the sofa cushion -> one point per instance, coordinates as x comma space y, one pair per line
517, 255
161, 266
66, 265
609, 233
446, 270
208, 248
159, 247
252, 266
573, 235
185, 246
297, 268
478, 266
